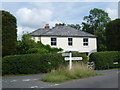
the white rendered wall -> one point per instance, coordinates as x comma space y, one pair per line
62, 42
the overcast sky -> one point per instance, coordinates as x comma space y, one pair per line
33, 15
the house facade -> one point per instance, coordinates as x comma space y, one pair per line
67, 38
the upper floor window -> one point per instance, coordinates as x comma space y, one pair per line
85, 41
53, 41
70, 41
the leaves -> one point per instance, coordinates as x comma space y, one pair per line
113, 35
95, 23
9, 33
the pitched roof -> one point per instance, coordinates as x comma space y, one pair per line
61, 31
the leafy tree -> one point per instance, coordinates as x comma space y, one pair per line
95, 23
60, 24
113, 35
9, 33
25, 44
77, 26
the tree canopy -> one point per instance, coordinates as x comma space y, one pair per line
9, 33
113, 35
95, 23
76, 26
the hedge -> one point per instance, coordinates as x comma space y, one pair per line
105, 60
31, 63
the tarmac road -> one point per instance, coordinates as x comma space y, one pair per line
109, 79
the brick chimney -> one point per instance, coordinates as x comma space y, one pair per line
47, 26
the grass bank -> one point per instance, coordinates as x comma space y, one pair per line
64, 74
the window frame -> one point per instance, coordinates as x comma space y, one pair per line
70, 42
53, 42
85, 42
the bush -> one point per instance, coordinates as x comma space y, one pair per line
31, 63
37, 50
105, 60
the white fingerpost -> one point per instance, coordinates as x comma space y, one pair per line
70, 62
70, 58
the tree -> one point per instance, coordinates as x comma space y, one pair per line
9, 33
113, 35
25, 44
77, 26
95, 23
60, 24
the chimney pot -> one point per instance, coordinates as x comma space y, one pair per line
47, 26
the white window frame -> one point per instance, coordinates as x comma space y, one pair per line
86, 42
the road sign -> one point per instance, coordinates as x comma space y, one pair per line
66, 54
70, 58
73, 58
115, 63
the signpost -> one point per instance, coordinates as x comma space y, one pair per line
70, 58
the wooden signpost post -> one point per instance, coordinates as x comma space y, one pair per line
70, 58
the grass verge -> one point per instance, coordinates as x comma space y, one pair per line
63, 74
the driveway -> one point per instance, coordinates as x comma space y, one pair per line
109, 79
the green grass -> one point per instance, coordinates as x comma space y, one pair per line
63, 74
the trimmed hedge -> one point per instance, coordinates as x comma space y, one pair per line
31, 63
105, 60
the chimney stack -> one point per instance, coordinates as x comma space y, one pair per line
47, 26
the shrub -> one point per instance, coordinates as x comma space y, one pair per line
105, 60
37, 50
31, 63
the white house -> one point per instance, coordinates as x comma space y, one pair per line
67, 38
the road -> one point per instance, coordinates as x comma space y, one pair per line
109, 79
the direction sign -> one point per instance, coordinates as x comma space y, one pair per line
77, 58
66, 54
115, 63
73, 58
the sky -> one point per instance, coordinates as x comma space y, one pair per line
33, 15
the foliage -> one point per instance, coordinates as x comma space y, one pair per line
113, 35
60, 24
105, 60
95, 24
25, 44
37, 50
31, 63
28, 46
77, 26
63, 74
9, 33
